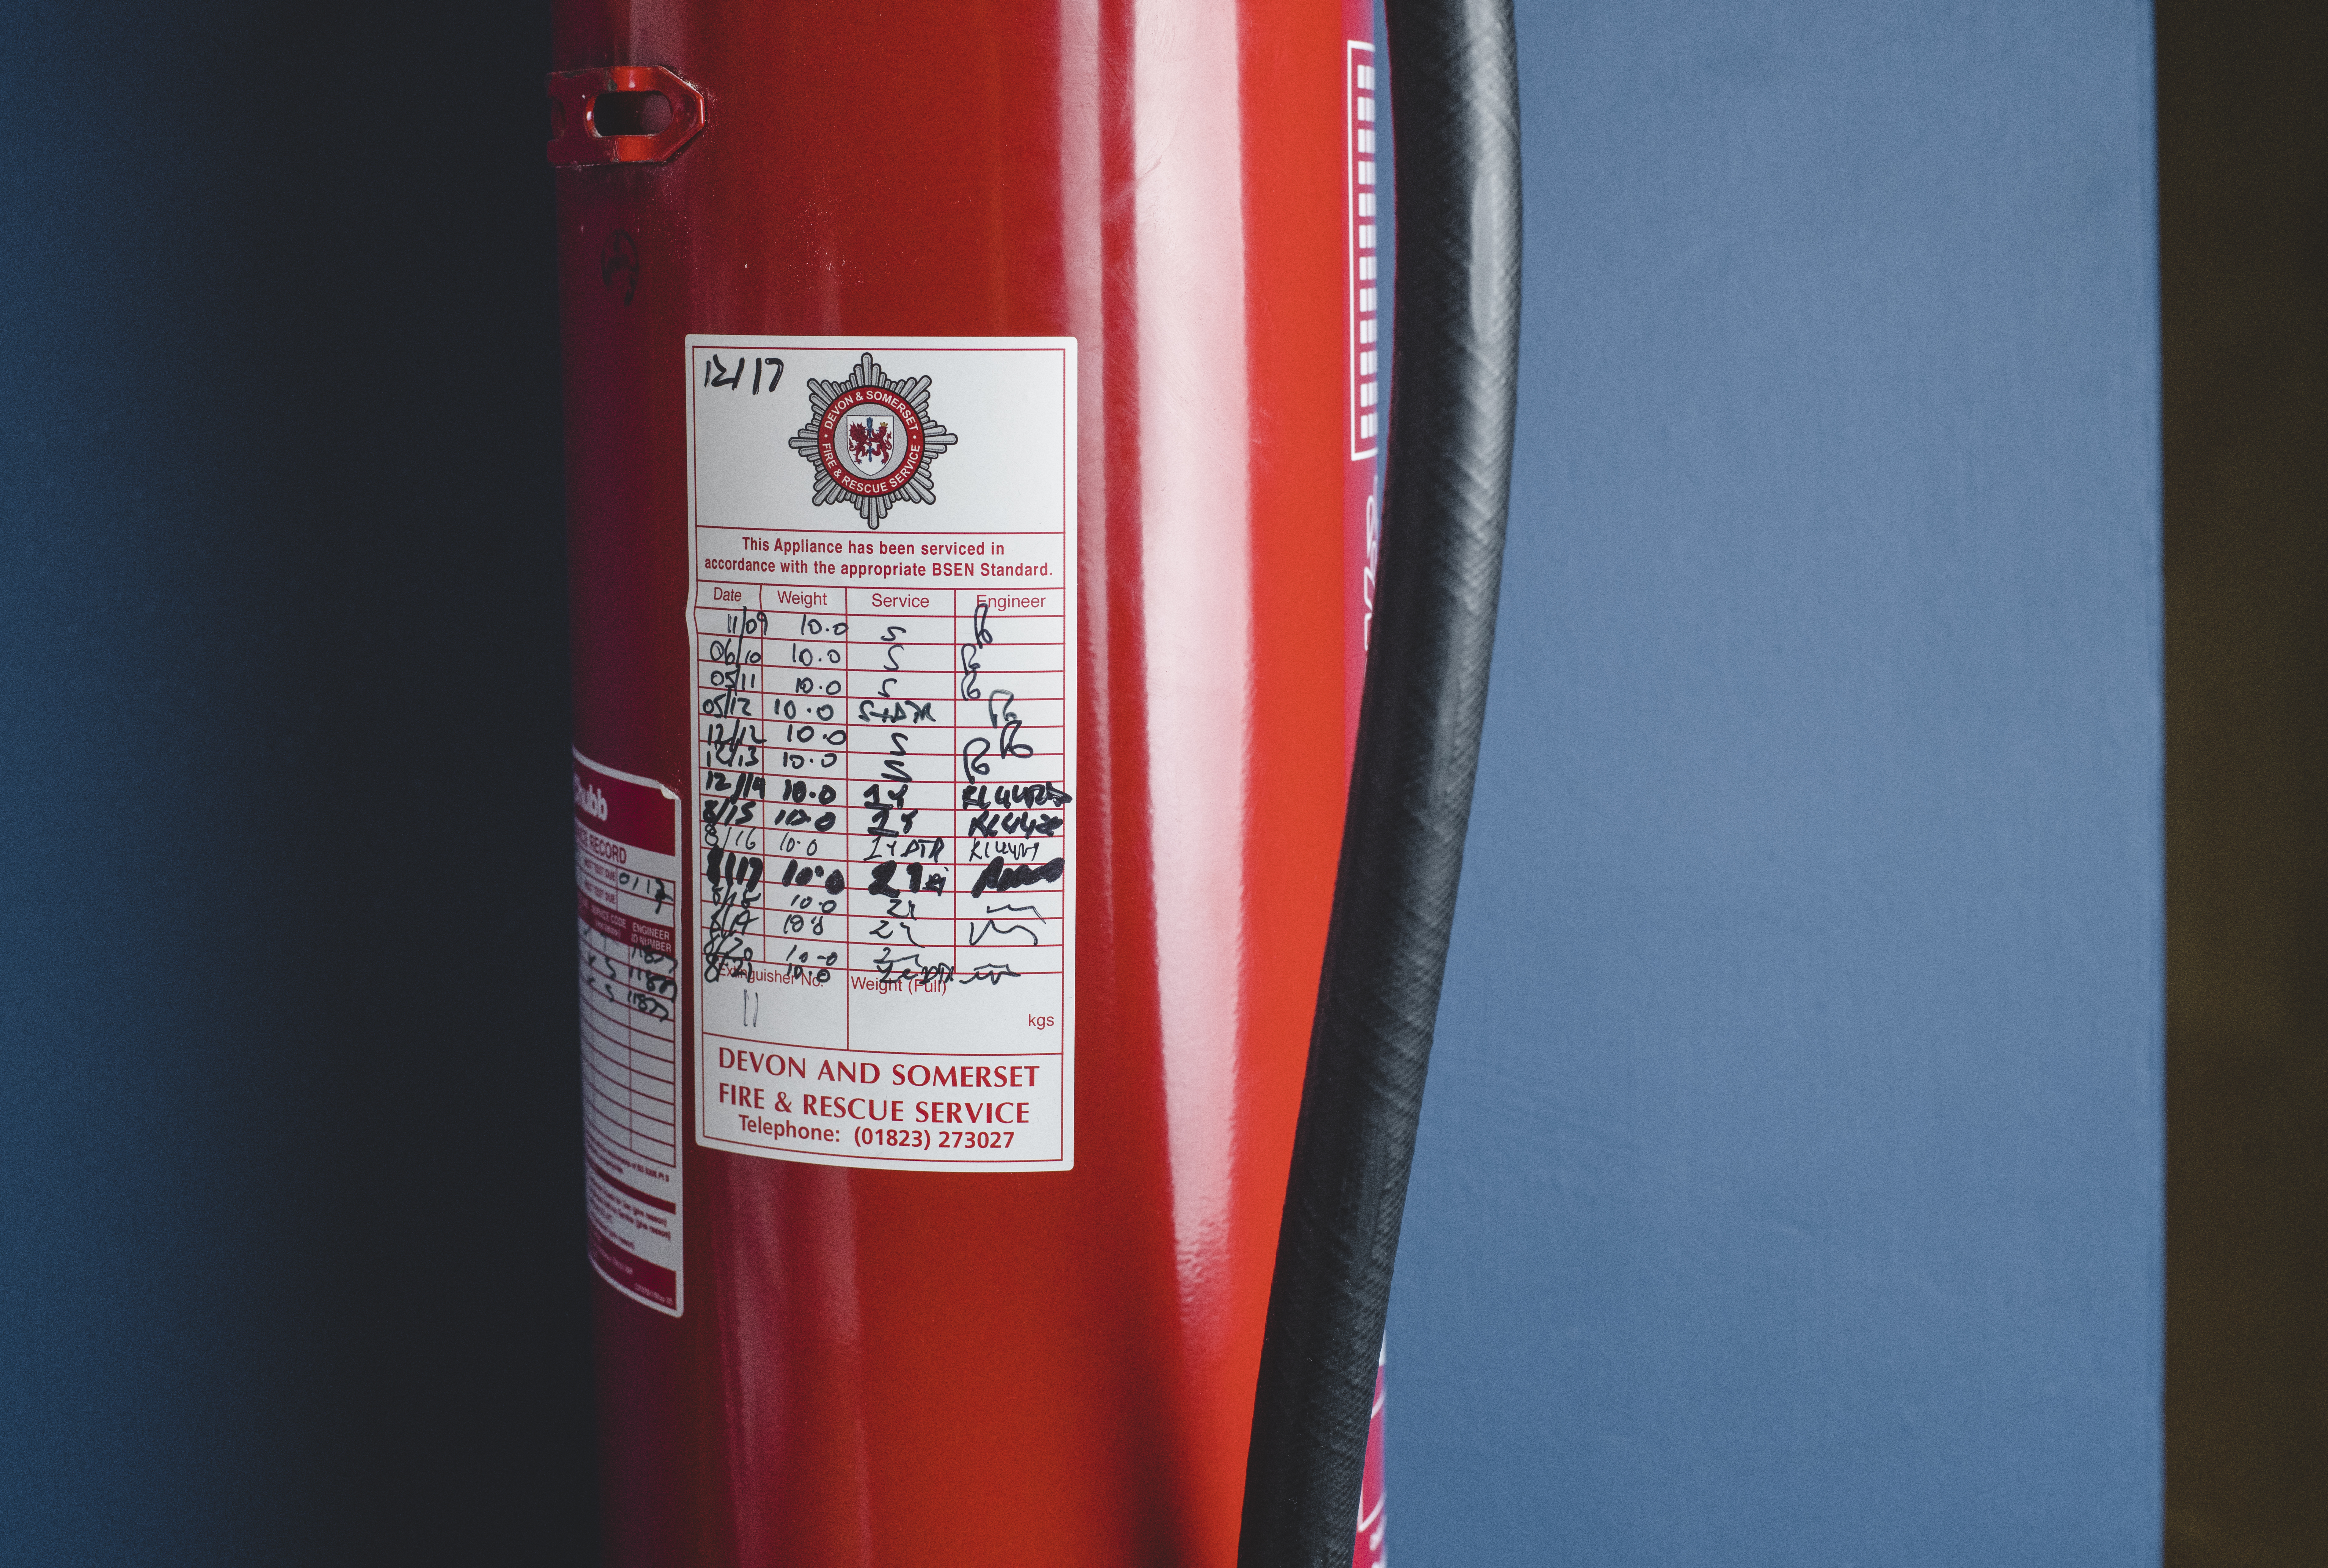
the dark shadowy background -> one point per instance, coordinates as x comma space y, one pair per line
288, 1109
294, 1251
2243, 202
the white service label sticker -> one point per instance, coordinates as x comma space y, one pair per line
882, 555
626, 844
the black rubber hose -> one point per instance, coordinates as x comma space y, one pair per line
1455, 84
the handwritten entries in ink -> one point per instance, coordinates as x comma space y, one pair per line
626, 885
884, 786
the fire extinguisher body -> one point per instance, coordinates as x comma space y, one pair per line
1035, 1367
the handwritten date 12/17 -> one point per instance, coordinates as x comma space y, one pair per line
717, 374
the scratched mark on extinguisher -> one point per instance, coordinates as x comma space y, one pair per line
618, 265
884, 773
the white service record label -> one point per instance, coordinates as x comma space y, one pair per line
882, 555
627, 843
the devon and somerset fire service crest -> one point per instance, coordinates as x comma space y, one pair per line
872, 440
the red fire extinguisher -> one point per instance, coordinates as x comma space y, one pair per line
1021, 752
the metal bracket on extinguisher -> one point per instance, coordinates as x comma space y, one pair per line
622, 114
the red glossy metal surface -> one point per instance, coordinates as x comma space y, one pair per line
1367, 1552
904, 1368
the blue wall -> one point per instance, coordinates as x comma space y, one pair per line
1789, 1183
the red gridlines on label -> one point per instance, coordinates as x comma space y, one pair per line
883, 824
